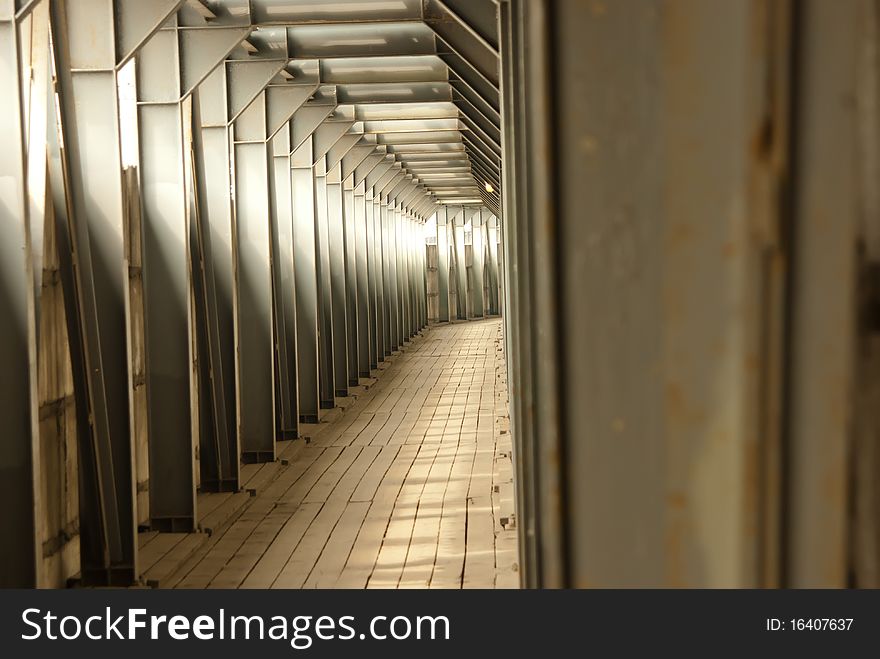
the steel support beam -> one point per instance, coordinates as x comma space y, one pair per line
477, 251
414, 278
492, 265
169, 67
255, 231
374, 277
167, 286
87, 79
461, 272
385, 293
220, 463
305, 279
365, 333
351, 279
326, 135
326, 378
21, 553
266, 118
336, 251
443, 264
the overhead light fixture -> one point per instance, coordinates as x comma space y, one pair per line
489, 188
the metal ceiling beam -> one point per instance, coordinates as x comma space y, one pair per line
480, 18
458, 35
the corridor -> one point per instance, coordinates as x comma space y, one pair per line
408, 484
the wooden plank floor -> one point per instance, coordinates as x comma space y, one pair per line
409, 485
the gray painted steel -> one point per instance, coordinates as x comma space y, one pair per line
19, 460
336, 248
306, 282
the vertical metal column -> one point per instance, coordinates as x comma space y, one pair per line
461, 270
376, 353
255, 225
406, 301
220, 465
179, 263
411, 275
400, 275
400, 279
393, 280
830, 139
423, 284
365, 335
477, 247
541, 549
385, 283
305, 279
492, 251
325, 297
420, 257
91, 41
443, 263
383, 340
360, 175
166, 274
351, 281
168, 70
404, 280
379, 253
282, 101
301, 128
283, 261
336, 252
325, 136
345, 296
284, 290
21, 552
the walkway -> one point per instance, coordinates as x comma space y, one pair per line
407, 485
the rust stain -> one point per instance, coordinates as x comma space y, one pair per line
681, 234
676, 500
678, 409
598, 8
588, 144
763, 141
730, 249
